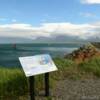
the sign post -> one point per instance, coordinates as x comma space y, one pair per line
35, 65
32, 87
47, 92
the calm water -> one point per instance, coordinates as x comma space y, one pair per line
9, 55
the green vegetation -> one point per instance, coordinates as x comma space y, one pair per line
91, 66
14, 83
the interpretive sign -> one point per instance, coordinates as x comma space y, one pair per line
38, 64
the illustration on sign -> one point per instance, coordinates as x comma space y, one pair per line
45, 59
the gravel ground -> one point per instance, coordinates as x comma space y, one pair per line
87, 89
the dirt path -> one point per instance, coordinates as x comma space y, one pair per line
88, 89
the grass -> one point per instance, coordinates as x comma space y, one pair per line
91, 66
14, 83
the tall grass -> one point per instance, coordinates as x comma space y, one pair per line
12, 82
91, 66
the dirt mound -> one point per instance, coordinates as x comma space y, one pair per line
84, 53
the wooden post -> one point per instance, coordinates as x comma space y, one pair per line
32, 87
47, 84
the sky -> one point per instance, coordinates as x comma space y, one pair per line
47, 18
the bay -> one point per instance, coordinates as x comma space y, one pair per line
9, 53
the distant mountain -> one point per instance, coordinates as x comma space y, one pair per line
66, 38
51, 39
59, 38
15, 40
94, 39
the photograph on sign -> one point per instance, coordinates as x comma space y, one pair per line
38, 64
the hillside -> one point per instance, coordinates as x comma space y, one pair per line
84, 53
97, 44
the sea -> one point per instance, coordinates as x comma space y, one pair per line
9, 53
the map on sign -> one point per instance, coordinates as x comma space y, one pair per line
38, 64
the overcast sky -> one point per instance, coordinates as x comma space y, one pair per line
35, 18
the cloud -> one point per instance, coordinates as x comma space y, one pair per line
83, 31
8, 19
91, 1
88, 15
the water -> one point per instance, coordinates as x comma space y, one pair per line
9, 55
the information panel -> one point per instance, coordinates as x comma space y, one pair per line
38, 64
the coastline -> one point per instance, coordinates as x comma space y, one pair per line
69, 74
